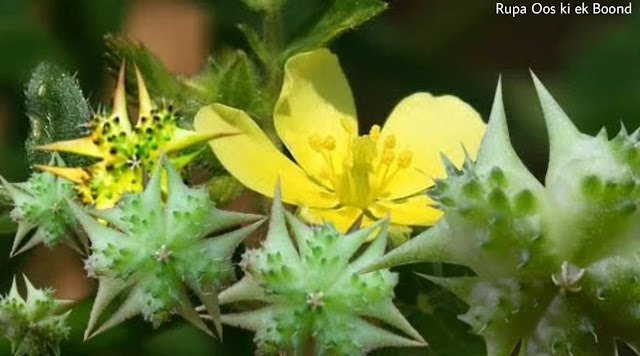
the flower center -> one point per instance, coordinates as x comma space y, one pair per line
315, 300
365, 171
163, 254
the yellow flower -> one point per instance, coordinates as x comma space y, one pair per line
126, 152
340, 175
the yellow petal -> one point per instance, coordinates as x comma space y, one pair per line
82, 146
427, 126
315, 100
342, 218
255, 161
76, 175
416, 210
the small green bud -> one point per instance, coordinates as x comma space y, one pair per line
34, 325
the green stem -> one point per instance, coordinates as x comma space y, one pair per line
273, 38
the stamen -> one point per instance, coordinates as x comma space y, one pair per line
404, 160
345, 123
374, 133
329, 143
388, 156
315, 142
390, 142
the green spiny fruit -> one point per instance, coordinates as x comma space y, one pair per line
34, 325
558, 266
41, 205
313, 297
154, 250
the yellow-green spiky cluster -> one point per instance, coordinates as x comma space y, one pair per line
34, 325
312, 293
155, 249
557, 265
126, 152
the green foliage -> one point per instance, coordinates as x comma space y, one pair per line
341, 15
154, 250
241, 78
556, 265
41, 204
56, 109
312, 293
34, 325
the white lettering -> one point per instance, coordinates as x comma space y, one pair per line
538, 9
599, 9
513, 10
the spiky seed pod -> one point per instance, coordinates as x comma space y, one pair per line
558, 266
34, 325
312, 292
41, 205
126, 153
155, 250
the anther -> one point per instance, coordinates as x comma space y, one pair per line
329, 143
374, 133
390, 142
388, 156
404, 160
346, 125
315, 142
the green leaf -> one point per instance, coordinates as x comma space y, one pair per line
240, 87
160, 82
256, 43
56, 109
341, 16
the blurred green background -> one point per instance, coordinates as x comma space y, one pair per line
590, 63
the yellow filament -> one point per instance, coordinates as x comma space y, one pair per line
388, 156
